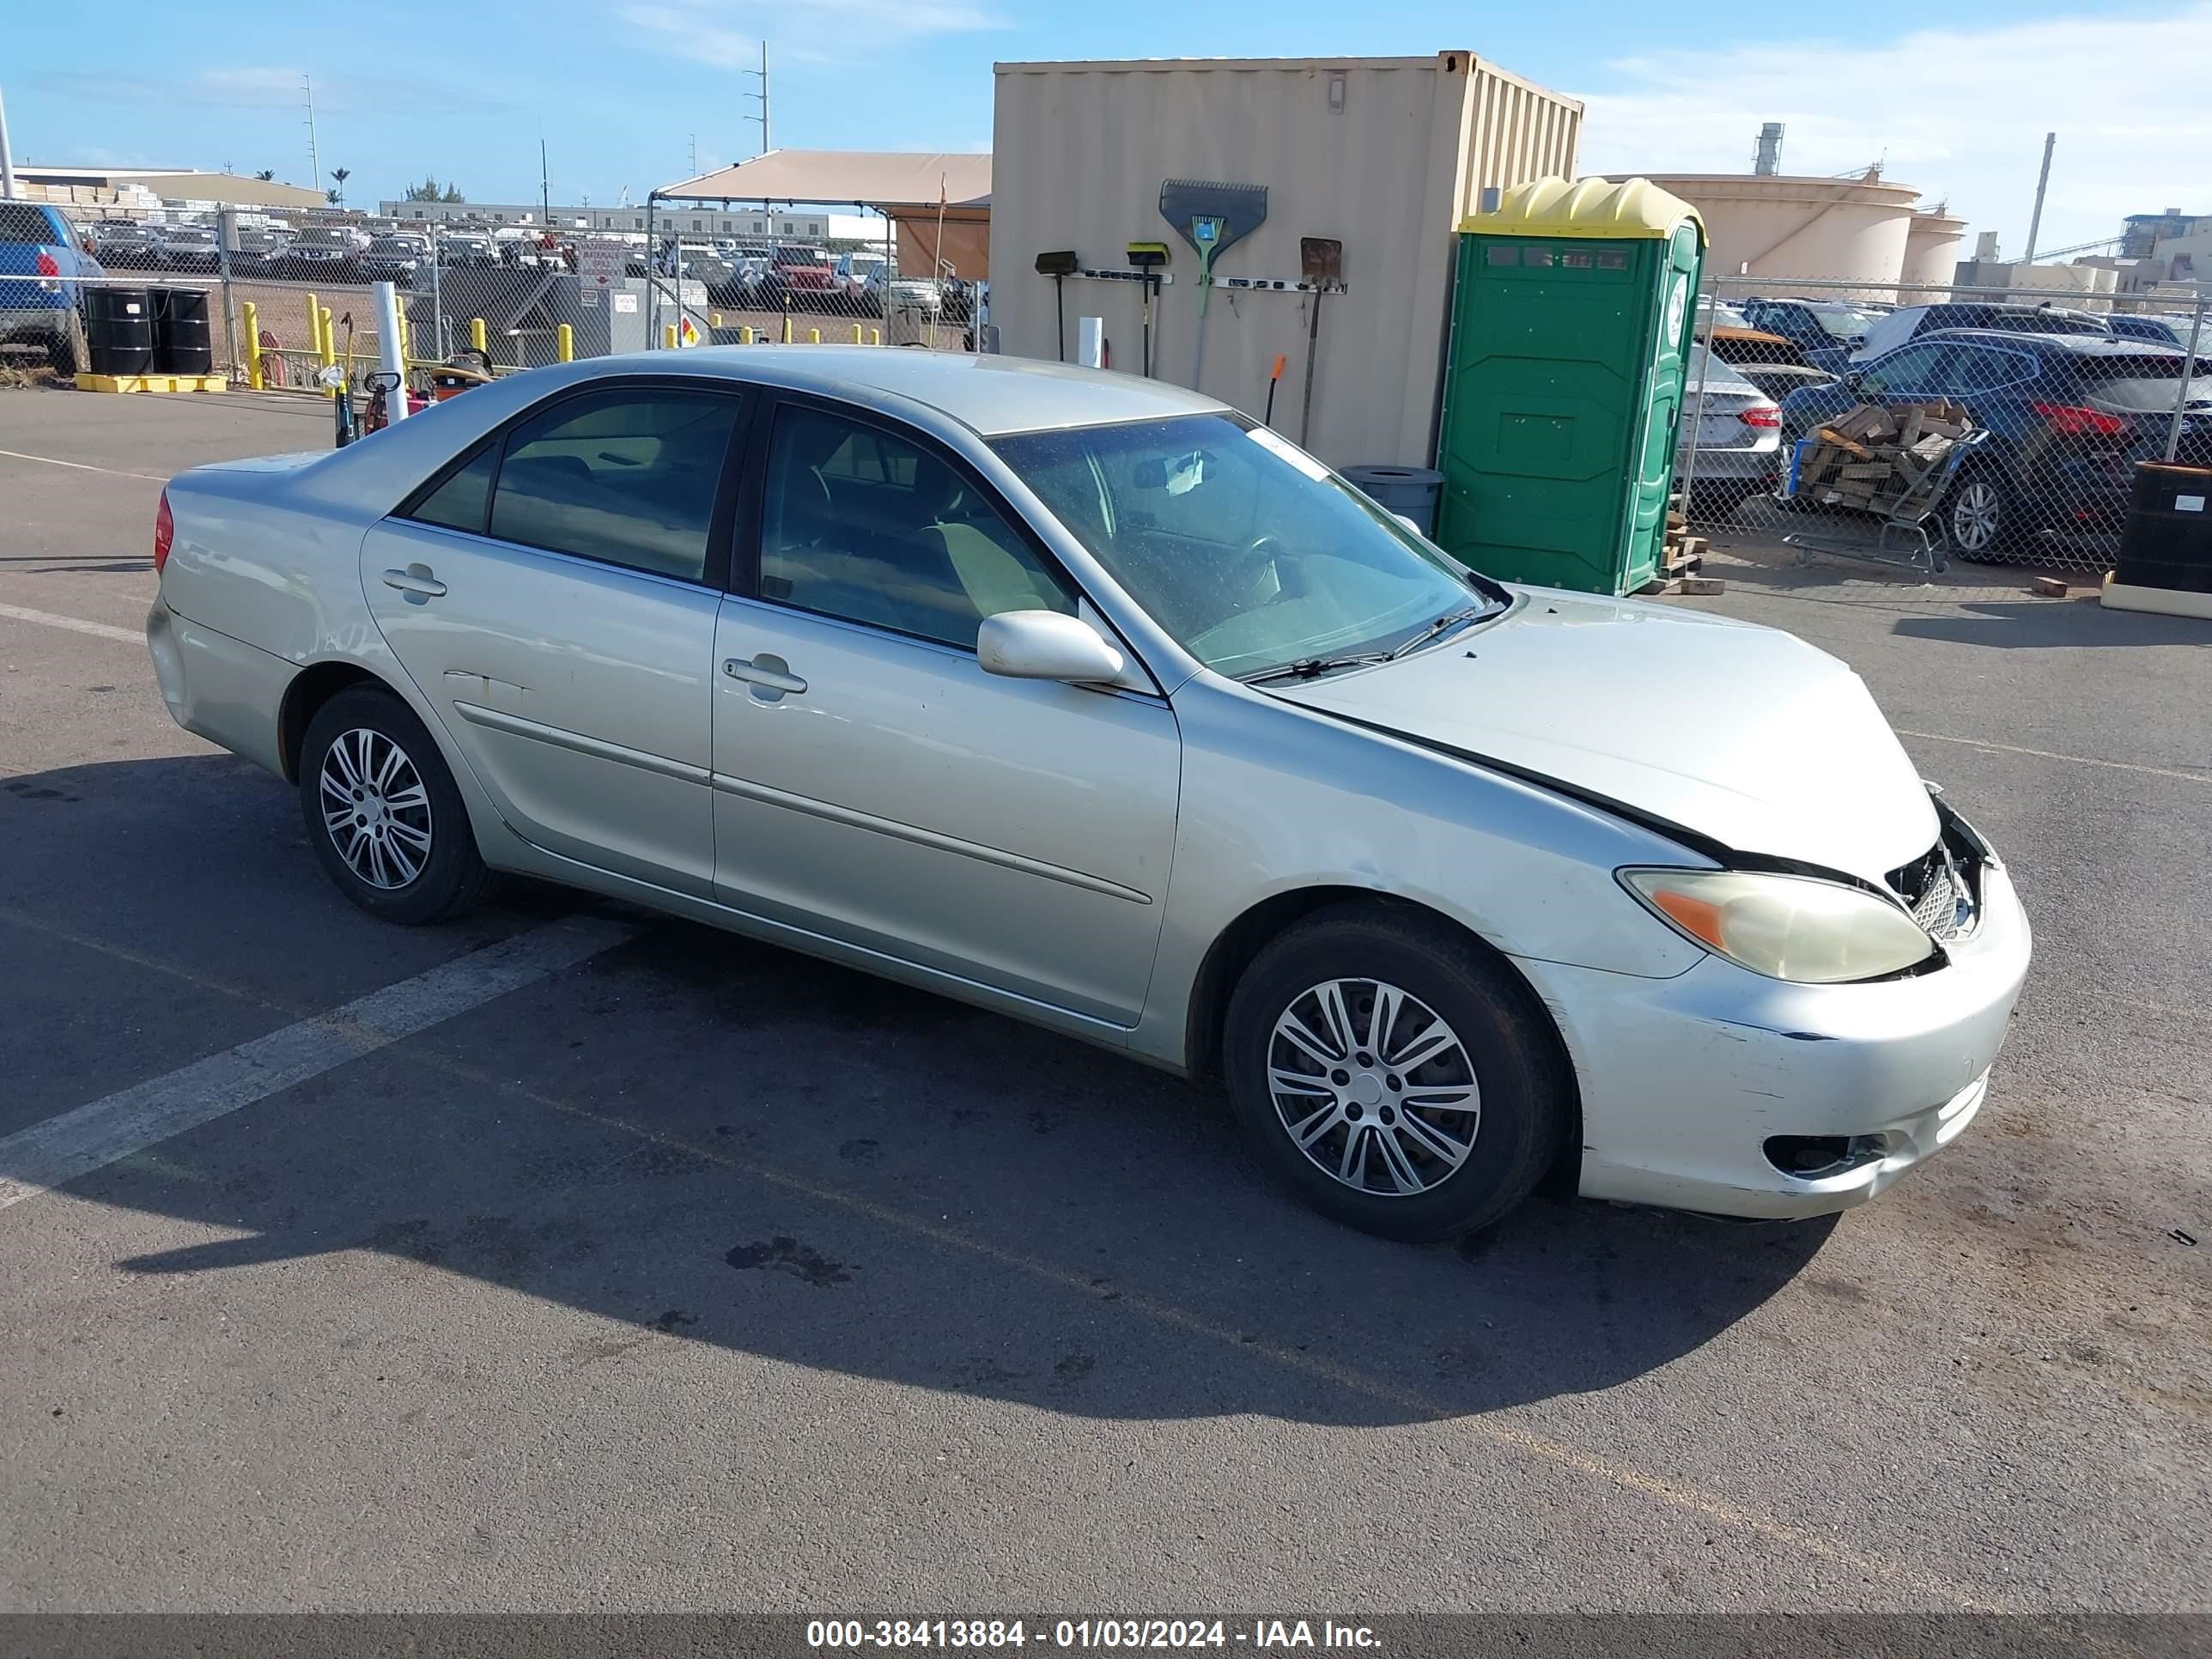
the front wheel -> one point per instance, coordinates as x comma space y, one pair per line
1981, 519
1394, 1075
66, 350
382, 812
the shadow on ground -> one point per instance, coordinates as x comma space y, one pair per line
711, 1141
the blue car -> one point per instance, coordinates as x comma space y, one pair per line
2068, 416
40, 252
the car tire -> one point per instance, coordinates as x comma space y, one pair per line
1981, 518
411, 857
1488, 1106
68, 352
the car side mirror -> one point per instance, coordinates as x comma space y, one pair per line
1044, 645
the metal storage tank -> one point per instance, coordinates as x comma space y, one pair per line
1931, 252
1383, 154
1845, 230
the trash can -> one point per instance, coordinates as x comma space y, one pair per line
2166, 540
1564, 382
1409, 491
119, 330
182, 343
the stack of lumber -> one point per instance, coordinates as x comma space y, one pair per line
1869, 457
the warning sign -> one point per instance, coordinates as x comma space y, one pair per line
601, 262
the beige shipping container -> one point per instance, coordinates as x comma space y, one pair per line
1384, 155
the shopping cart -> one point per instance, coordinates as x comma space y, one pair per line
1907, 514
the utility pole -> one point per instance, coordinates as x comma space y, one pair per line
6, 159
544, 187
2035, 222
694, 156
762, 73
314, 153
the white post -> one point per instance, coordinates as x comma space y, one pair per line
1090, 342
7, 160
389, 359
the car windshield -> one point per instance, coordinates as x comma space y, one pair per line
1251, 553
1843, 323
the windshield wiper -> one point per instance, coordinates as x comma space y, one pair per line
1440, 625
1306, 667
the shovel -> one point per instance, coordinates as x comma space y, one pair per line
1321, 262
1210, 217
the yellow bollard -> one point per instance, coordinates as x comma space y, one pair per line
715, 317
875, 337
668, 337
476, 336
330, 348
253, 344
746, 336
856, 334
814, 337
564, 343
787, 328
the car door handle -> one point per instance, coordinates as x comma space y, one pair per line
769, 673
416, 579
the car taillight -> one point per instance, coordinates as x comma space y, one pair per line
47, 266
2072, 421
165, 531
1765, 415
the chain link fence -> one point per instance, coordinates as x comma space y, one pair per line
1931, 424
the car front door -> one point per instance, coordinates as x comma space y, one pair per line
1909, 372
873, 784
554, 599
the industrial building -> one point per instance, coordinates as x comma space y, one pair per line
799, 224
147, 190
1863, 229
1377, 158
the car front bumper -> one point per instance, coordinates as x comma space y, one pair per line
1685, 1081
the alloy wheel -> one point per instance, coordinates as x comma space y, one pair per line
1373, 1087
1977, 516
375, 808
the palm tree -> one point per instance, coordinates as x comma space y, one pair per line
338, 176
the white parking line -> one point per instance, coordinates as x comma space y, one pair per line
75, 624
84, 466
44, 1156
2072, 760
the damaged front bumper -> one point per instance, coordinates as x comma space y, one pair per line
1725, 1091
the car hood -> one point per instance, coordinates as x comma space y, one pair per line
1744, 734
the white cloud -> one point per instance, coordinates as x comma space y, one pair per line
1958, 113
714, 31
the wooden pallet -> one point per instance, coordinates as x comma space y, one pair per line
153, 383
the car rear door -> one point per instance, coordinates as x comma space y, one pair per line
873, 785
553, 598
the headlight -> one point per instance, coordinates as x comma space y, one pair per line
1792, 927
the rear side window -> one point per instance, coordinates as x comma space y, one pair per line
629, 478
22, 223
1983, 369
461, 501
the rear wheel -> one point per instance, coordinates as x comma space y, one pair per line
1981, 519
382, 812
1393, 1075
66, 350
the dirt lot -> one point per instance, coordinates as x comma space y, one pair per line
661, 1270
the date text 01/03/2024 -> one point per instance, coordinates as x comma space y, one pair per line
1086, 1634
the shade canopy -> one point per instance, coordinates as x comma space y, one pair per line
884, 179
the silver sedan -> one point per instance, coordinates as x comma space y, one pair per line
1087, 699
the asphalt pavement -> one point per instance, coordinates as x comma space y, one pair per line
573, 1259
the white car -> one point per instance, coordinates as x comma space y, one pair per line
1085, 698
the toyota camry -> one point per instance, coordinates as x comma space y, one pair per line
1087, 699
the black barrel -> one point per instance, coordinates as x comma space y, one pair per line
182, 344
118, 327
2167, 541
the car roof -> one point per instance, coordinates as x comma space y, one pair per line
989, 394
2079, 345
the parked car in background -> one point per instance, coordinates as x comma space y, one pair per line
1779, 381
466, 250
123, 245
40, 253
860, 281
394, 259
804, 276
2067, 415
2159, 331
1820, 328
1909, 323
321, 253
1737, 437
188, 247
1087, 699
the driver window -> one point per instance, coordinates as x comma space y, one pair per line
861, 524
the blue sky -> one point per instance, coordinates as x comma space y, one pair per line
620, 90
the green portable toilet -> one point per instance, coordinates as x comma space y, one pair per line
1571, 329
